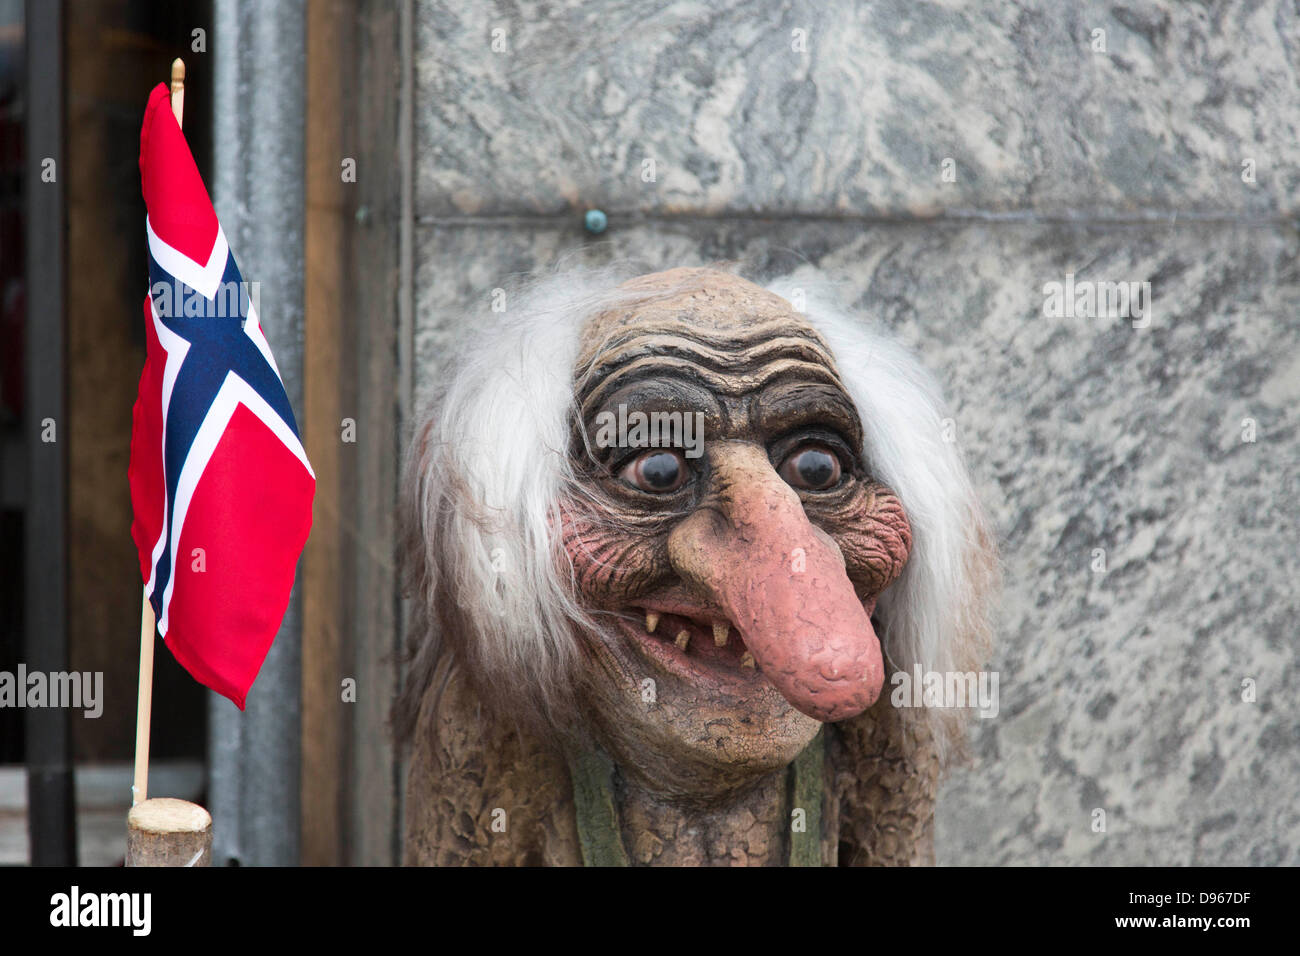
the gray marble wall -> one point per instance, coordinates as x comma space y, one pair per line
811, 138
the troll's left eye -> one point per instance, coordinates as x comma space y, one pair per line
656, 471
812, 468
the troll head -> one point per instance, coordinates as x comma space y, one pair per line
685, 523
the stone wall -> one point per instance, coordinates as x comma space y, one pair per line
941, 162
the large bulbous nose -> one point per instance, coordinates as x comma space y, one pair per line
751, 551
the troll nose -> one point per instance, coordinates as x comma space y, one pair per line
781, 580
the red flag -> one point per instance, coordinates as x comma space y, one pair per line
220, 484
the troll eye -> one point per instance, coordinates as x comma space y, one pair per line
660, 471
812, 468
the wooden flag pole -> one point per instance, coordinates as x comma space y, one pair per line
144, 698
161, 831
144, 705
178, 90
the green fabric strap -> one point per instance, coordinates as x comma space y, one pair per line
593, 799
597, 812
806, 795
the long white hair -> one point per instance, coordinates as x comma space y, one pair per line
490, 467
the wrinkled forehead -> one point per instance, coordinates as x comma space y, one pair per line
713, 328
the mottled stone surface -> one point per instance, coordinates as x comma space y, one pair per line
1121, 689
544, 107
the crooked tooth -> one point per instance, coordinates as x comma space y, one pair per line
683, 638
747, 659
651, 621
720, 631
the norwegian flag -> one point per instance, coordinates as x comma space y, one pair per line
220, 484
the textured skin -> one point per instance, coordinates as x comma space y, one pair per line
884, 782
751, 831
464, 765
879, 807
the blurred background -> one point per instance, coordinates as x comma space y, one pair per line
382, 166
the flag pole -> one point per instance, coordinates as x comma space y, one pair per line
178, 90
144, 699
144, 705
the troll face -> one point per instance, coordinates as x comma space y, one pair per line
696, 603
740, 580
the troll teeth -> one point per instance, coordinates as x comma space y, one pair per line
683, 638
651, 621
720, 631
747, 659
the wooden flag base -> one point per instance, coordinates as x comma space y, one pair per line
168, 832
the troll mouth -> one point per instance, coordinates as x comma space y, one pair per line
691, 638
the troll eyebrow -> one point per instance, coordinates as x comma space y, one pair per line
740, 378
663, 392
655, 396
789, 405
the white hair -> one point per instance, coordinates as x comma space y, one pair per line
484, 480
491, 466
